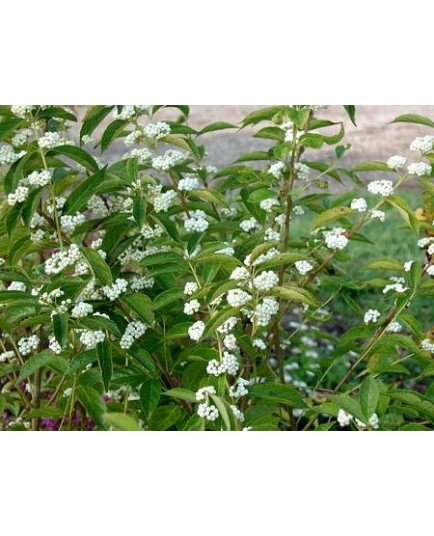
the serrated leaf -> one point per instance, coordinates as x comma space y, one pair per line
369, 396
167, 297
99, 267
330, 215
104, 354
77, 154
122, 422
35, 363
181, 394
60, 325
278, 393
150, 393
296, 294
141, 305
92, 401
83, 192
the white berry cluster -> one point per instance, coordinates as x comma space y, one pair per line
419, 168
239, 388
423, 144
133, 331
268, 204
140, 283
240, 274
238, 414
398, 285
164, 201
21, 137
195, 331
228, 365
7, 356
427, 345
188, 184
303, 267
237, 297
228, 325
277, 169
150, 232
249, 225
359, 204
62, 259
8, 155
19, 196
336, 239
157, 131
271, 235
394, 327
206, 410
169, 160
38, 179
191, 307
196, 222
381, 187
50, 140
344, 419
114, 291
371, 316
22, 110
190, 288
53, 345
301, 171
69, 223
396, 162
26, 345
81, 309
265, 281
265, 311
89, 339
378, 214
17, 285
143, 155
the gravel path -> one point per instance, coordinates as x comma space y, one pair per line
372, 139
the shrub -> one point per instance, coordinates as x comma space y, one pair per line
158, 292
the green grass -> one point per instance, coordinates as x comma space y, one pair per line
391, 239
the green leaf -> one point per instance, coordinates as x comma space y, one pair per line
92, 401
263, 114
113, 131
141, 305
405, 212
139, 210
351, 111
104, 353
99, 267
164, 417
336, 213
35, 363
282, 259
216, 126
150, 393
94, 116
252, 157
122, 422
372, 166
369, 395
350, 405
167, 297
81, 195
278, 393
414, 118
416, 401
182, 394
12, 295
223, 410
296, 294
60, 325
143, 357
384, 264
77, 154
81, 360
